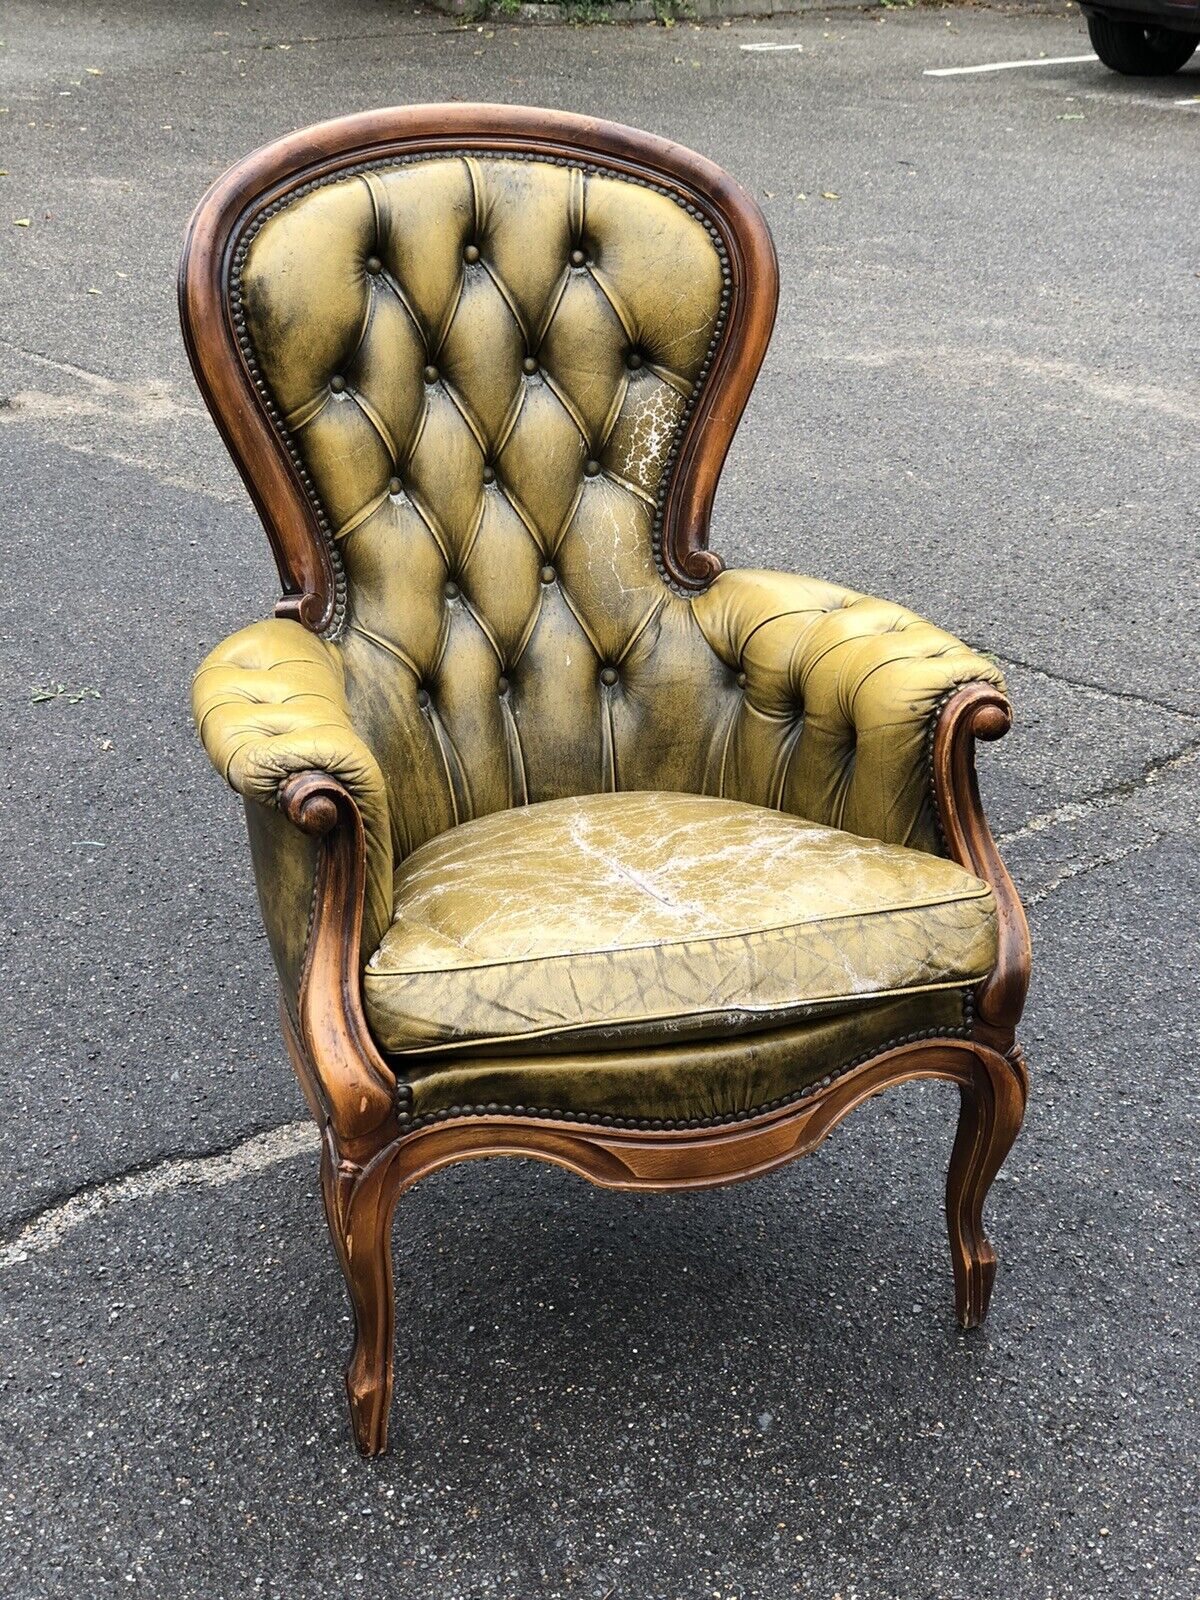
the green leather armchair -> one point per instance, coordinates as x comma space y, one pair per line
569, 843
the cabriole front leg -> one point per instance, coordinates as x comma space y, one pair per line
360, 1202
991, 1110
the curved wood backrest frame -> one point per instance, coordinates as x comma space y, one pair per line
242, 409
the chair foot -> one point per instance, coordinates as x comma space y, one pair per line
370, 1397
359, 1204
992, 1107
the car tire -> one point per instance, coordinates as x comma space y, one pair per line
1138, 51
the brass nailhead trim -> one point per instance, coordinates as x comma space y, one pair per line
930, 737
410, 1124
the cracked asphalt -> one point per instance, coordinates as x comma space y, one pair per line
981, 400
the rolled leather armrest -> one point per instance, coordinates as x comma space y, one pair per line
270, 702
840, 695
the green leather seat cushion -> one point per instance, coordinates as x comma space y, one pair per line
640, 919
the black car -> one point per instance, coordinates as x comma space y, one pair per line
1144, 38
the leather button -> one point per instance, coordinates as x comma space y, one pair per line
609, 676
489, 474
579, 258
337, 384
741, 680
547, 574
591, 468
452, 591
431, 374
374, 266
529, 366
633, 361
395, 486
501, 686
471, 253
422, 698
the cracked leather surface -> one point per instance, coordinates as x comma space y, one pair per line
657, 914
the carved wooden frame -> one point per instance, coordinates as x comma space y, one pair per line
372, 1148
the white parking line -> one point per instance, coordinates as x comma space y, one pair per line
772, 47
1007, 66
255, 1154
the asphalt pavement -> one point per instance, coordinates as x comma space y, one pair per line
981, 400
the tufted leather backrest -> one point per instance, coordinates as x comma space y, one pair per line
483, 364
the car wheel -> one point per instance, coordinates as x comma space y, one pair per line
1138, 51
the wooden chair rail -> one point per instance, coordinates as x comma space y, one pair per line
360, 1196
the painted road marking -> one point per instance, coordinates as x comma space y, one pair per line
258, 1153
1006, 66
772, 47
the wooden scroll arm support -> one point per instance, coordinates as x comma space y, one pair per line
356, 1087
980, 711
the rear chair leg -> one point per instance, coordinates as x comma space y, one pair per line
992, 1106
359, 1205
